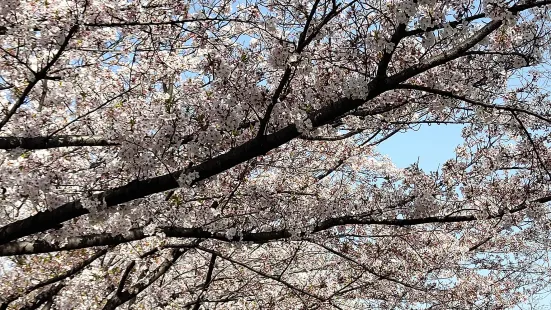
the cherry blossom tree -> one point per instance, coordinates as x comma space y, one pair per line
216, 154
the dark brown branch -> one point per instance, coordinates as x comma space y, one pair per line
36, 143
24, 247
335, 138
534, 147
209, 272
529, 5
302, 38
447, 56
473, 102
330, 170
44, 297
479, 244
366, 267
303, 42
208, 279
527, 58
263, 274
382, 139
48, 219
378, 110
455, 23
48, 142
382, 68
264, 121
335, 10
125, 275
162, 23
81, 116
452, 24
40, 246
139, 189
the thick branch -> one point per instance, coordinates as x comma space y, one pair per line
335, 138
445, 57
36, 143
39, 246
125, 276
161, 23
382, 68
48, 142
139, 189
249, 150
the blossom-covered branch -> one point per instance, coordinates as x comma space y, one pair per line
36, 143
34, 247
257, 129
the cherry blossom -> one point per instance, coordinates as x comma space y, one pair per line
162, 154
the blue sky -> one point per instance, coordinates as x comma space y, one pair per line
430, 145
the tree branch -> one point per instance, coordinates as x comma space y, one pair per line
38, 76
162, 23
48, 219
335, 138
529, 137
37, 143
447, 56
120, 298
453, 24
263, 274
39, 246
125, 275
43, 297
473, 102
208, 279
382, 68
69, 273
367, 268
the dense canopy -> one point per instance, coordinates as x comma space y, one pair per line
217, 154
